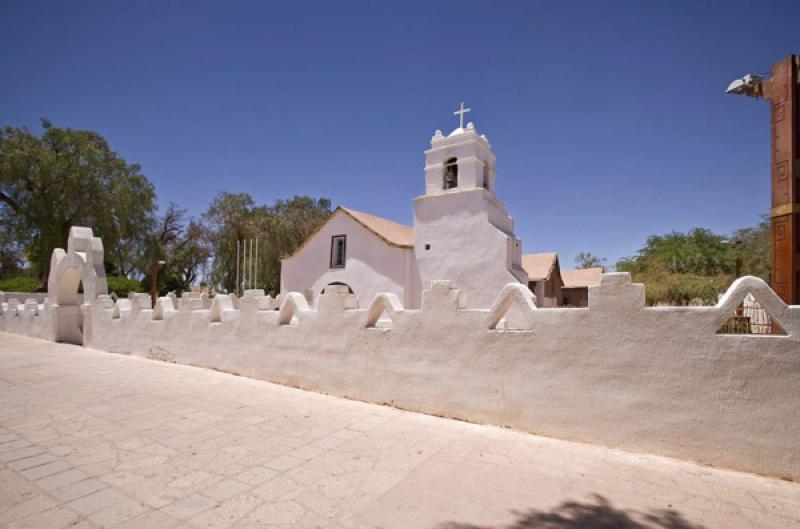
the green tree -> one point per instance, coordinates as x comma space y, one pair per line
228, 219
279, 228
671, 288
66, 178
680, 268
752, 246
285, 225
698, 252
588, 260
122, 286
11, 252
182, 244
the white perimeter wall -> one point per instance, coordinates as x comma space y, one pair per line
654, 380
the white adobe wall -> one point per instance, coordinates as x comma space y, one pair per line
653, 380
466, 245
372, 265
27, 317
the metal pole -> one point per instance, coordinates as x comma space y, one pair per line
251, 263
236, 288
244, 264
256, 262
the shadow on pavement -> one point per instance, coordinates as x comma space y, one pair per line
595, 514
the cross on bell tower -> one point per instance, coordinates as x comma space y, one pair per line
460, 113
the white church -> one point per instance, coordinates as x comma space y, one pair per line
462, 231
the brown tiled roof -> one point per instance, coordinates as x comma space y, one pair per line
391, 232
539, 265
582, 277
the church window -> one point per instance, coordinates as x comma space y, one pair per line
486, 175
451, 173
338, 250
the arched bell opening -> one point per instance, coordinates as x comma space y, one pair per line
451, 173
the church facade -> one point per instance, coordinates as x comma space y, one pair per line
462, 231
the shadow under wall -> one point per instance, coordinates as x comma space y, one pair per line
595, 514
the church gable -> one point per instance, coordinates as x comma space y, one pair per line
366, 253
389, 232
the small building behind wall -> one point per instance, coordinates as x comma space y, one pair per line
575, 292
544, 277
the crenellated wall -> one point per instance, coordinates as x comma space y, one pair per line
654, 380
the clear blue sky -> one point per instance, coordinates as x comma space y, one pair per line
608, 119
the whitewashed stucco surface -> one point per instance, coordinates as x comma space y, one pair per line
371, 266
458, 239
654, 380
462, 233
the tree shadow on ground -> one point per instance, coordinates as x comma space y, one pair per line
595, 514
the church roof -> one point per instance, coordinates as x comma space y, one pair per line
582, 277
391, 232
539, 265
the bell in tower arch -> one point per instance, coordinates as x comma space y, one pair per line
451, 173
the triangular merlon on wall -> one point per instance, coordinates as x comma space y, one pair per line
164, 308
777, 309
384, 301
512, 293
222, 304
123, 305
293, 304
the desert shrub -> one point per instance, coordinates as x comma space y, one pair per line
123, 285
19, 284
667, 288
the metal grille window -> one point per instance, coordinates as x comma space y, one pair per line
338, 251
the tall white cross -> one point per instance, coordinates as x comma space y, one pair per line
460, 113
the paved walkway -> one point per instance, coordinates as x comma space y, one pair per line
91, 439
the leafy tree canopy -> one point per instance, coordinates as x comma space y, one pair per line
182, 244
698, 252
681, 268
280, 228
66, 178
588, 260
752, 246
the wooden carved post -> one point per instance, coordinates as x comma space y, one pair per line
781, 90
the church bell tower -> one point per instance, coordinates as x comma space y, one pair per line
459, 161
462, 231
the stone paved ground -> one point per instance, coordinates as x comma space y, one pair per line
91, 439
